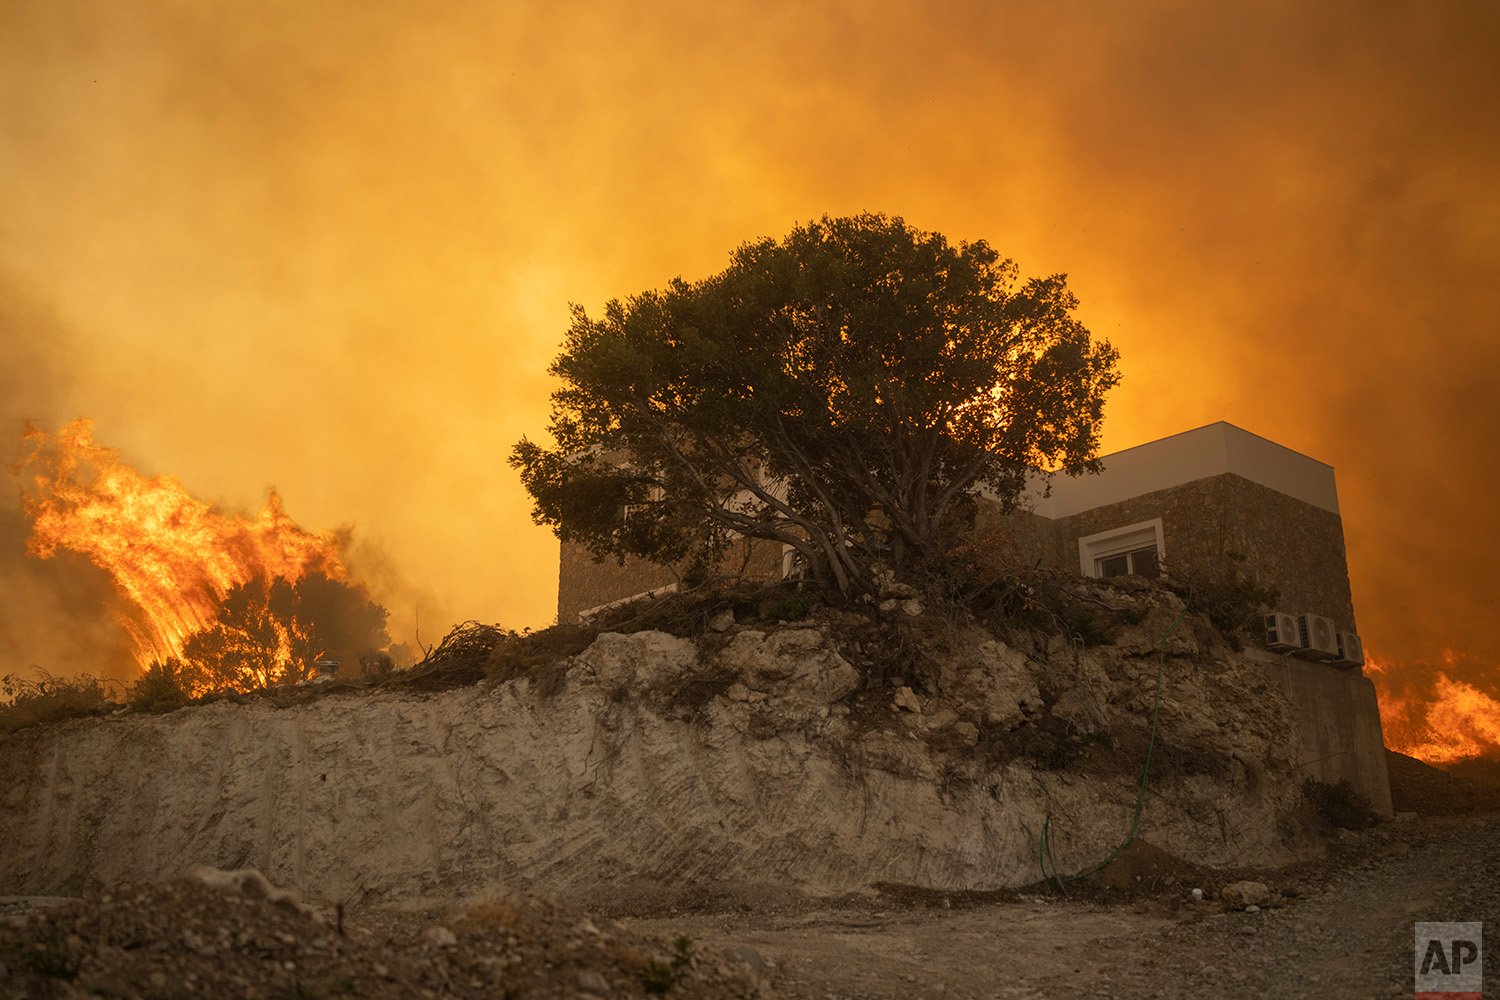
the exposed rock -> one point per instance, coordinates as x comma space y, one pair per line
1239, 895
723, 621
912, 608
1002, 680
907, 699
941, 719
745, 955
657, 763
246, 882
439, 937
796, 666
592, 982
636, 662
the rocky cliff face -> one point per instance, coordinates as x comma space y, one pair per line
782, 759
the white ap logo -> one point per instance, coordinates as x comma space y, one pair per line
1450, 958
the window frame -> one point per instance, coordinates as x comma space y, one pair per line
1101, 545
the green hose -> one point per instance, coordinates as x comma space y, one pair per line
1044, 849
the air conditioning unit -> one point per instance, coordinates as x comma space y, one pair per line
1320, 640
1351, 650
1282, 632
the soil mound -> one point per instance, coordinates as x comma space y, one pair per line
183, 938
1464, 789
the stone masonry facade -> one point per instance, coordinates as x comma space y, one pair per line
585, 583
1285, 543
1209, 526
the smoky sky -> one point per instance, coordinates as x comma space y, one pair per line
332, 246
57, 615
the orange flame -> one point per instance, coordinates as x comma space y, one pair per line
170, 555
1450, 722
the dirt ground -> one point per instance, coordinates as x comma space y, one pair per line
1341, 928
1347, 932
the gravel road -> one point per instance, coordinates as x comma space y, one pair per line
1348, 933
1342, 929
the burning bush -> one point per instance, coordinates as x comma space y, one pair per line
214, 600
277, 633
173, 558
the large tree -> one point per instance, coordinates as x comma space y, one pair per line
846, 390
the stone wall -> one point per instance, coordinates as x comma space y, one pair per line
585, 582
1286, 543
1017, 540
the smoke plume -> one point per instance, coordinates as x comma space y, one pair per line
349, 233
58, 615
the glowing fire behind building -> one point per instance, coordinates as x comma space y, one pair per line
1442, 722
174, 558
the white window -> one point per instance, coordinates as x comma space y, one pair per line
1134, 549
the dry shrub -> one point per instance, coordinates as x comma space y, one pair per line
1233, 601
1338, 805
49, 698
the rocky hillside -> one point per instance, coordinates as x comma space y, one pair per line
820, 757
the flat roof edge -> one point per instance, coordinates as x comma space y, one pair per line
1217, 423
1189, 456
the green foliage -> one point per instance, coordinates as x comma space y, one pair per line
166, 684
275, 633
1339, 805
842, 391
792, 607
26, 702
1233, 601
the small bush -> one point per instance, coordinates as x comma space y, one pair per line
1233, 602
164, 686
792, 607
1339, 805
47, 699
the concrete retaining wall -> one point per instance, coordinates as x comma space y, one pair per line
1337, 725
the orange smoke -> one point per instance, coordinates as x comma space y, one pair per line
170, 555
1444, 722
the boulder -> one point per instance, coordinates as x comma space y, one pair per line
1241, 895
639, 661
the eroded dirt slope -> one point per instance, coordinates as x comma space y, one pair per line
648, 766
